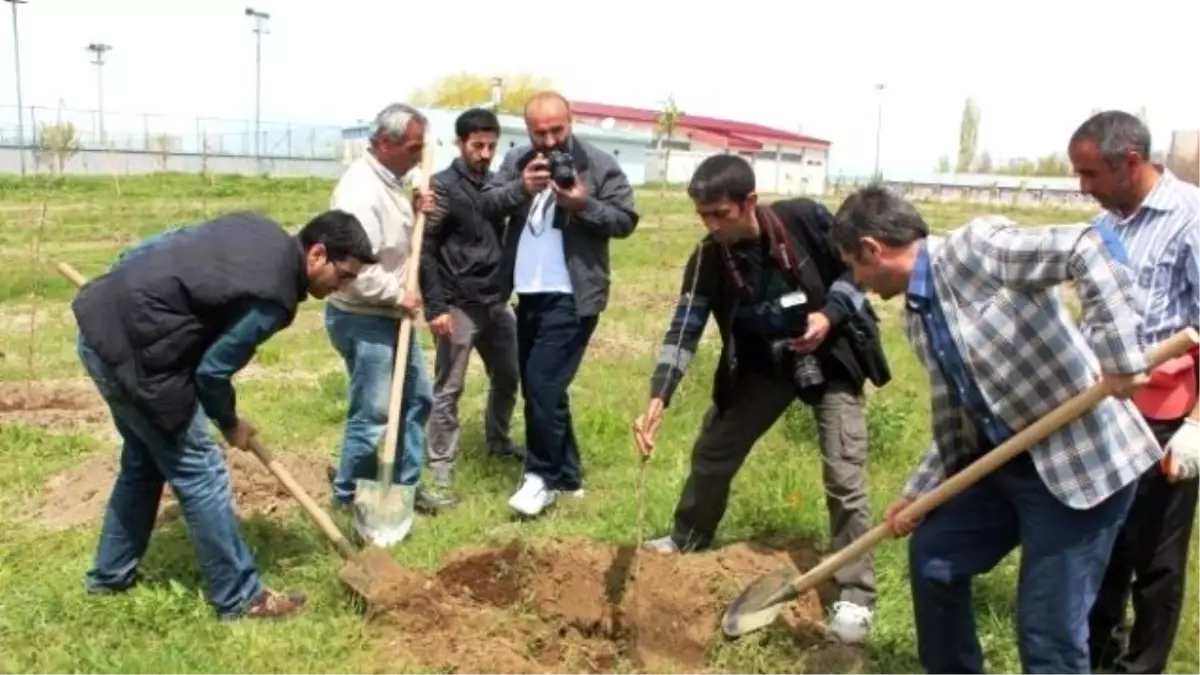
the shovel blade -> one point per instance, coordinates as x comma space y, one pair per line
371, 572
760, 603
383, 513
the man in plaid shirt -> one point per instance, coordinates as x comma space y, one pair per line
985, 317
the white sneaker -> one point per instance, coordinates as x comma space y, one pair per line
532, 497
662, 545
850, 623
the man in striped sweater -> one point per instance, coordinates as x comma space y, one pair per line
1157, 218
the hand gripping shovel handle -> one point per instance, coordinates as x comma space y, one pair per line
1077, 405
412, 263
343, 545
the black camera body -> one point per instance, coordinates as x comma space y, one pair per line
562, 168
790, 321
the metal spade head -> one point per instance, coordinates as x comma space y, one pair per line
760, 603
383, 512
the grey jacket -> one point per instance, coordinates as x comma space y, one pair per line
610, 212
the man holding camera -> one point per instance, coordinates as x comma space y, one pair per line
564, 200
793, 325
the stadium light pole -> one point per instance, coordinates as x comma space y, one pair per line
260, 22
99, 48
878, 127
17, 65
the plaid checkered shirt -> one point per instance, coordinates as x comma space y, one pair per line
998, 287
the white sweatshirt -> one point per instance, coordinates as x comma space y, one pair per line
375, 196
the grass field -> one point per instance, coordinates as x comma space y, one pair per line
58, 447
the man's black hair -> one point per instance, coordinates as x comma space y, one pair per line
721, 176
342, 234
476, 120
876, 212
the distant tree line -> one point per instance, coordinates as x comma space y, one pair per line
971, 160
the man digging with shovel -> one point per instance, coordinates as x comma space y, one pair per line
363, 320
162, 334
984, 315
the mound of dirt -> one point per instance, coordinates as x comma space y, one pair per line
79, 495
72, 405
575, 606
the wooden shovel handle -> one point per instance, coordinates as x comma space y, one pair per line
404, 335
71, 274
319, 515
1072, 408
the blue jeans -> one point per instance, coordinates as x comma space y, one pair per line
195, 468
1064, 553
368, 346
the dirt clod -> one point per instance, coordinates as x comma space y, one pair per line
574, 607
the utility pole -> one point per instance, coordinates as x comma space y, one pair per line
497, 93
260, 21
98, 48
878, 128
20, 104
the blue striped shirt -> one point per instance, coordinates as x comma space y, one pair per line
1162, 240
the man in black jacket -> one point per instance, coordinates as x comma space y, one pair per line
556, 260
464, 301
162, 334
793, 325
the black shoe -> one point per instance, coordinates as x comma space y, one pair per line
429, 502
113, 590
509, 451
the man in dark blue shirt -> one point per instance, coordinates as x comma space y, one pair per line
161, 334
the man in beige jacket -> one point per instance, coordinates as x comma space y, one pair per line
363, 320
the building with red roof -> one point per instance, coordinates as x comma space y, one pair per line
784, 162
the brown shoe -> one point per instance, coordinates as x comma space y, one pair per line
275, 605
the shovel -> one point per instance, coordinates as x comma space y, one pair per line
762, 601
366, 572
384, 513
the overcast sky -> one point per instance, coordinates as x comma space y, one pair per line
1036, 68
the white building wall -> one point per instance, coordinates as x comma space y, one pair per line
794, 178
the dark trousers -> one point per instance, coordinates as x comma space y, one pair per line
490, 330
725, 441
1063, 555
1149, 563
551, 340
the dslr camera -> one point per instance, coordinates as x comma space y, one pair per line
559, 163
561, 167
787, 320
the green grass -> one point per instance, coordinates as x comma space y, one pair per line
296, 397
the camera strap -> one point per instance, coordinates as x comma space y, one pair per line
779, 248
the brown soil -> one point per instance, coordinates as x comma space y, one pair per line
71, 405
78, 496
574, 607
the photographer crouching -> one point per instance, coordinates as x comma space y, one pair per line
793, 325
